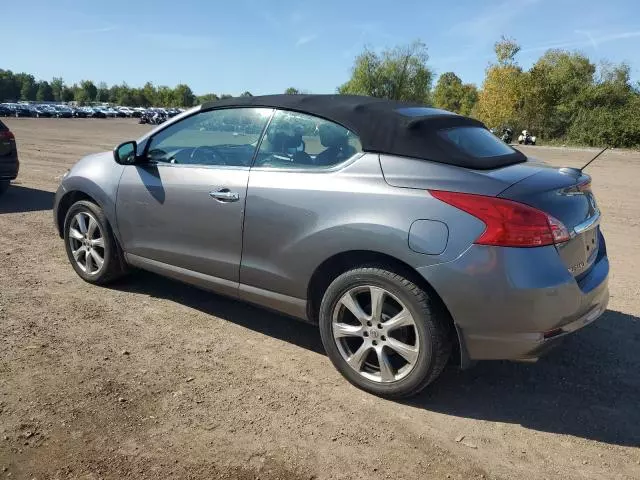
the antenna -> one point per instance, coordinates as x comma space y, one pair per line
589, 162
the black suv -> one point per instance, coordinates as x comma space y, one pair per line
9, 163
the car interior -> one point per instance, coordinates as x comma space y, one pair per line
284, 145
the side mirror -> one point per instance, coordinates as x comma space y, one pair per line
125, 153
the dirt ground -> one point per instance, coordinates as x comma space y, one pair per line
153, 379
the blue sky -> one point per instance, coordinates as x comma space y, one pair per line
265, 46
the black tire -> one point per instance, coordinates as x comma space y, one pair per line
114, 265
431, 326
4, 186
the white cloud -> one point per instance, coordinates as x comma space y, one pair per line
306, 39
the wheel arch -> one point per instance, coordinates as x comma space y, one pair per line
339, 263
65, 203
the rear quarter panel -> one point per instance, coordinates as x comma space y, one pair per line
295, 220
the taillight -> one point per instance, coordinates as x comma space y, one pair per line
6, 135
508, 223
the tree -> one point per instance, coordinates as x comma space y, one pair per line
500, 98
45, 92
225, 95
28, 86
67, 94
182, 96
552, 86
397, 74
102, 94
607, 111
9, 86
164, 96
506, 50
450, 94
208, 97
123, 95
291, 91
79, 94
149, 94
57, 86
246, 94
469, 99
89, 90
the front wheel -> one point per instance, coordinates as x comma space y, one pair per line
91, 247
383, 332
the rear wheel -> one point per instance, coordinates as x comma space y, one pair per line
91, 247
383, 333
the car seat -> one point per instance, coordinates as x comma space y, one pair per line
336, 139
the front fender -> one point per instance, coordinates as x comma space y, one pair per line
97, 177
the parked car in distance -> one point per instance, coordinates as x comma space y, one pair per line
9, 164
407, 249
126, 111
138, 111
40, 111
94, 112
111, 112
5, 111
62, 111
21, 110
79, 113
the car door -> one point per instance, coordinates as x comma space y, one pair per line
184, 205
295, 191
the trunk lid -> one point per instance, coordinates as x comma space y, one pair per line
566, 194
424, 175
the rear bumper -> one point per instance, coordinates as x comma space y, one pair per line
515, 304
9, 168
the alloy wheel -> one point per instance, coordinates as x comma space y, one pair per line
375, 334
86, 240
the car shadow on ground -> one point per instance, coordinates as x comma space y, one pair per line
589, 387
18, 199
254, 318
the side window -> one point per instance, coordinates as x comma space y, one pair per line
296, 140
216, 137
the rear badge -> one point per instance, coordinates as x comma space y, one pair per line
576, 267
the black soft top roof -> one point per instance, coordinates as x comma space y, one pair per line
384, 126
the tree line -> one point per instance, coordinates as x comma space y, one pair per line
25, 87
563, 96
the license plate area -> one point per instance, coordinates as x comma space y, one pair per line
580, 252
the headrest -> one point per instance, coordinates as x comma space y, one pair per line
332, 135
280, 140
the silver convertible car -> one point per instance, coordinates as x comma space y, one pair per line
411, 236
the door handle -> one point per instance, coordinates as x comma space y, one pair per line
225, 195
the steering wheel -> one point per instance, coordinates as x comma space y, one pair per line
206, 155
